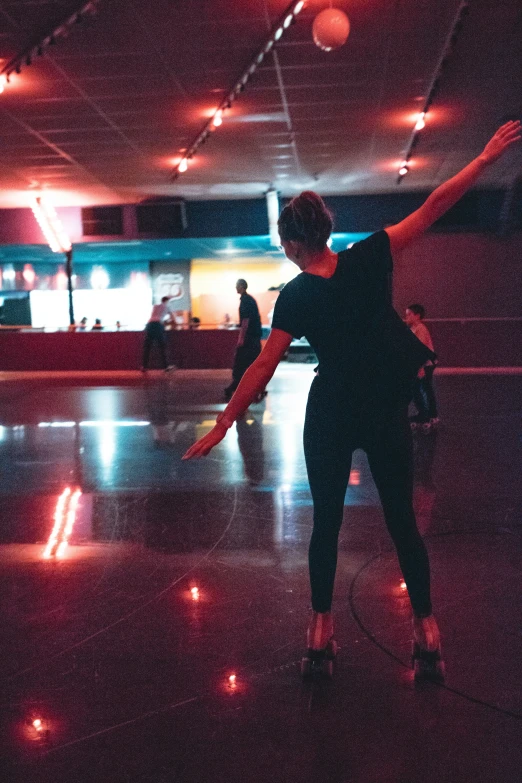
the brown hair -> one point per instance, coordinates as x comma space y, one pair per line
306, 219
418, 309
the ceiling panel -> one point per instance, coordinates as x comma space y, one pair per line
106, 113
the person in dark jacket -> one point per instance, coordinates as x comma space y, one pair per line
249, 340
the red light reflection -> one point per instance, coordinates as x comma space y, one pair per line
64, 519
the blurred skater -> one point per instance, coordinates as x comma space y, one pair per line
423, 392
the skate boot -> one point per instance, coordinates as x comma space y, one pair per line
322, 647
426, 655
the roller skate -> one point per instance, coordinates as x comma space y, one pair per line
415, 424
426, 658
322, 647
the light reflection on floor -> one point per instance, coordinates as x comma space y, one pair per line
154, 610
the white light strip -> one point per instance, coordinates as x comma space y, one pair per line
51, 226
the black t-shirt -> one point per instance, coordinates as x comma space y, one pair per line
248, 309
360, 341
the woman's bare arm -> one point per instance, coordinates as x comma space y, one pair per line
252, 383
447, 194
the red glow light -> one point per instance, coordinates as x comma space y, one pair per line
194, 591
403, 585
355, 478
232, 681
421, 122
63, 525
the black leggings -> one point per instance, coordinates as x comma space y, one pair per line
330, 436
155, 333
424, 396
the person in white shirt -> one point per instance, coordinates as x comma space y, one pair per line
155, 333
423, 393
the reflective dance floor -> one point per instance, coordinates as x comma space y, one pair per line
153, 611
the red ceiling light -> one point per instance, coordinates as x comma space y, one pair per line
283, 23
420, 119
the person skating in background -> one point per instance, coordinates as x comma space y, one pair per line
368, 359
155, 333
423, 391
249, 340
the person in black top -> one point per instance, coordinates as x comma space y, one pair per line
368, 359
249, 340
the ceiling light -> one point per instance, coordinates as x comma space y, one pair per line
420, 124
282, 24
403, 170
51, 226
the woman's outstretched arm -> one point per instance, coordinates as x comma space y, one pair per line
252, 383
447, 194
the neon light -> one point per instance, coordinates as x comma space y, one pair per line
71, 519
63, 525
58, 522
299, 7
51, 226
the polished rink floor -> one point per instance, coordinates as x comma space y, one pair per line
126, 609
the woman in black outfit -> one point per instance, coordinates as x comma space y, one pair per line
368, 359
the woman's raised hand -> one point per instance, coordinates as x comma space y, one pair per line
506, 135
204, 445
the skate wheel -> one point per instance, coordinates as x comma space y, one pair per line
332, 649
327, 669
306, 668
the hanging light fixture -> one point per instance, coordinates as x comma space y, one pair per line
282, 24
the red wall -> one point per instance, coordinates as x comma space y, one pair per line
191, 349
461, 275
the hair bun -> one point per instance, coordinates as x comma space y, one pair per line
306, 219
